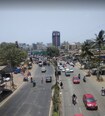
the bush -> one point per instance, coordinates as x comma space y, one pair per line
55, 114
56, 99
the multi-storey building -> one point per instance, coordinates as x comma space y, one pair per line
56, 38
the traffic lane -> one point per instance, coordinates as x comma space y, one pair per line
12, 105
68, 107
23, 101
93, 88
66, 96
39, 75
79, 90
89, 88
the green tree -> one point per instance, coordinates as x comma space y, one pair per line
99, 42
9, 53
53, 51
86, 51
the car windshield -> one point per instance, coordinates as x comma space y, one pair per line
90, 100
76, 78
67, 71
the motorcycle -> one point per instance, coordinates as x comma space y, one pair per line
74, 101
34, 83
84, 79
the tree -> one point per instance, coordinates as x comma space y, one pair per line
9, 53
99, 42
53, 51
86, 50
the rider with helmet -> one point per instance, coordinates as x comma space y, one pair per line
79, 75
74, 97
84, 79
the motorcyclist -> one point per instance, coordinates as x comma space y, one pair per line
102, 91
79, 75
84, 79
74, 97
34, 83
31, 79
61, 84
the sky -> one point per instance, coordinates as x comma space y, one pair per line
32, 22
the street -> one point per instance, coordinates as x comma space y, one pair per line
79, 89
29, 100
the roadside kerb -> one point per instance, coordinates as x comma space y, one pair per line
51, 102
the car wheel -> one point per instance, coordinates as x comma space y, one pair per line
96, 108
87, 108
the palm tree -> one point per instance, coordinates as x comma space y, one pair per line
99, 42
86, 50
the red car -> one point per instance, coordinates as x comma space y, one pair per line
76, 80
78, 114
90, 101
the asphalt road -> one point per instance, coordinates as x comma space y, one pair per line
79, 89
29, 100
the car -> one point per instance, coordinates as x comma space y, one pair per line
43, 69
40, 63
30, 65
78, 115
67, 73
89, 101
63, 70
17, 70
7, 77
48, 79
75, 80
45, 62
71, 70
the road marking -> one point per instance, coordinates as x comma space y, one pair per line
14, 92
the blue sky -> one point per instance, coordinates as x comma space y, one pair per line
31, 25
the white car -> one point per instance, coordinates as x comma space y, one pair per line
67, 69
71, 70
6, 79
63, 70
43, 69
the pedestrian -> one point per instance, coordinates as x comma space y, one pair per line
102, 91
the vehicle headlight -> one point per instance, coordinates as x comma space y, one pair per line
89, 105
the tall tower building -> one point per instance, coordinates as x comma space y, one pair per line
56, 38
